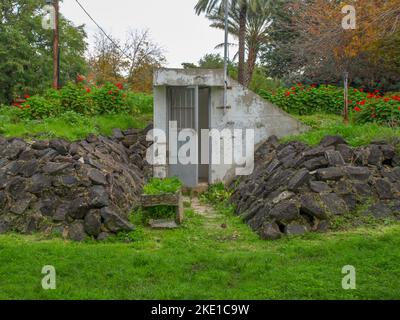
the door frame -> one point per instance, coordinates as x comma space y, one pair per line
209, 89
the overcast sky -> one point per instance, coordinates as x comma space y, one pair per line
173, 24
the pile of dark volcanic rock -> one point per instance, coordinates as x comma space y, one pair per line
79, 189
296, 188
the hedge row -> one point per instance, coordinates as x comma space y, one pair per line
84, 100
364, 106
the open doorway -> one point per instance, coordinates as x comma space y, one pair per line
189, 108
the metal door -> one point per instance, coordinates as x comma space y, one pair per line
183, 108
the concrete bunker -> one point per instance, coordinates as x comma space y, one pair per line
193, 99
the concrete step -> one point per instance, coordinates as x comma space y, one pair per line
163, 224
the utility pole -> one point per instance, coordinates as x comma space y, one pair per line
56, 44
346, 97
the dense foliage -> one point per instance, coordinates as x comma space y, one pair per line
382, 110
367, 107
85, 100
154, 187
134, 64
216, 194
26, 50
298, 51
304, 100
160, 186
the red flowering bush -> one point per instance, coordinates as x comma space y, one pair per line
37, 107
365, 106
311, 99
84, 99
109, 99
379, 109
74, 97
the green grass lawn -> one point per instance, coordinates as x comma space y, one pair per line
70, 127
74, 127
203, 261
199, 260
356, 135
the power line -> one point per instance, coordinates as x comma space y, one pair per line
102, 30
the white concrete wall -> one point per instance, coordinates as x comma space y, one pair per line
160, 122
248, 111
188, 77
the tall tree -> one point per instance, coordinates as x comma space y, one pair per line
131, 61
207, 6
258, 23
326, 48
308, 43
107, 62
208, 61
142, 56
211, 61
276, 56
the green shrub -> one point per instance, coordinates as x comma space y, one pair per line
160, 186
10, 114
216, 194
108, 99
306, 100
73, 118
140, 102
365, 106
74, 97
378, 109
261, 81
37, 107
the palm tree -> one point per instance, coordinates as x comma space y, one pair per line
208, 6
258, 21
